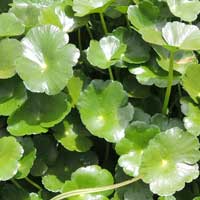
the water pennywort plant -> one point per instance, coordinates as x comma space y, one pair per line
99, 99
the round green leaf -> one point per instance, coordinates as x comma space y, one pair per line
131, 147
10, 25
192, 116
67, 162
27, 14
72, 134
63, 17
187, 10
140, 115
181, 35
182, 59
104, 110
169, 161
85, 7
106, 52
38, 113
92, 176
153, 75
10, 154
46, 64
190, 81
137, 50
12, 95
165, 123
10, 50
26, 162
149, 28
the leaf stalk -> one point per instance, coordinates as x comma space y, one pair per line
105, 29
94, 190
170, 82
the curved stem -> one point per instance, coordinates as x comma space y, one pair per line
79, 40
94, 190
110, 74
33, 183
17, 184
89, 31
170, 82
103, 23
105, 29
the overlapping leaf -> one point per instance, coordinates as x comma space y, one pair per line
191, 82
187, 10
85, 7
10, 25
26, 162
63, 17
10, 50
12, 95
61, 170
38, 113
153, 75
46, 64
106, 52
131, 147
10, 154
137, 50
191, 119
182, 59
104, 110
169, 161
72, 134
88, 177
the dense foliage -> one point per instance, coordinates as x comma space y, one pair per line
99, 99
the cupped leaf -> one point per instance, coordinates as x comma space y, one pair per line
181, 35
106, 52
104, 110
169, 161
46, 64
10, 50
10, 25
192, 114
190, 81
66, 163
12, 95
85, 7
10, 154
75, 86
38, 113
187, 10
89, 177
153, 75
149, 28
63, 17
140, 115
131, 147
137, 50
27, 14
165, 123
26, 162
72, 134
182, 59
